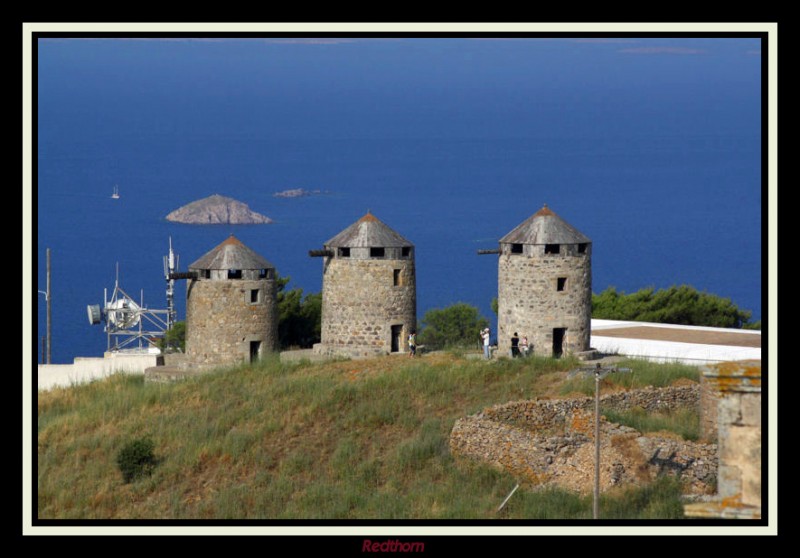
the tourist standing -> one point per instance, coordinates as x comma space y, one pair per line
412, 344
515, 345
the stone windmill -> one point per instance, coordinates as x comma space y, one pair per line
369, 294
544, 286
231, 306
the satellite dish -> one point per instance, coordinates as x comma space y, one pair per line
123, 313
94, 314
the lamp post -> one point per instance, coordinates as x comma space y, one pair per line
47, 299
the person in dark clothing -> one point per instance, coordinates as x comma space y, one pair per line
515, 345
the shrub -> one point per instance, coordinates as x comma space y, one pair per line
675, 305
174, 339
456, 325
136, 459
299, 317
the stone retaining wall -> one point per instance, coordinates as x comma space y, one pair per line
552, 442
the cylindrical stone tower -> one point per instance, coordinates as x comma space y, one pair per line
369, 293
231, 306
544, 286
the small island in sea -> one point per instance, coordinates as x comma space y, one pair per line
217, 210
299, 193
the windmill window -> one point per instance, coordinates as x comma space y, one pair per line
344, 252
561, 283
582, 248
234, 274
254, 296
406, 251
377, 252
398, 278
516, 248
265, 274
552, 248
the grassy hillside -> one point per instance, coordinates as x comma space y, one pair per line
340, 440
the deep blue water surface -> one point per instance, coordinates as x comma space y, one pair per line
651, 147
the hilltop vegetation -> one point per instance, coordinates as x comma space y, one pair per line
337, 440
681, 305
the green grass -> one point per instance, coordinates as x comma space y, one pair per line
659, 500
339, 440
642, 373
684, 422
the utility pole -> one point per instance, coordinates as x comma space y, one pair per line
47, 298
596, 499
599, 374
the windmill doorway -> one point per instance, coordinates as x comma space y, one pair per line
255, 349
558, 341
397, 338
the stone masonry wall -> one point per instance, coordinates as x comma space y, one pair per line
530, 304
709, 400
552, 442
738, 386
360, 304
221, 320
732, 394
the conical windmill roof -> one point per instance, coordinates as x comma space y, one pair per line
368, 231
545, 227
231, 254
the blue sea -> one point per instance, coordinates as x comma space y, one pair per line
650, 147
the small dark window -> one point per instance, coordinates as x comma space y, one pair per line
376, 252
234, 274
397, 278
265, 274
344, 252
552, 248
582, 248
205, 274
253, 295
406, 251
561, 283
516, 248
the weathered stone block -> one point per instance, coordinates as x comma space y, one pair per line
750, 405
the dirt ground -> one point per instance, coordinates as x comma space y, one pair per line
732, 338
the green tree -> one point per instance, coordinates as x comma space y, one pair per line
457, 325
299, 317
174, 339
683, 305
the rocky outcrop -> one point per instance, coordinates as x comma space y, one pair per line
217, 210
298, 193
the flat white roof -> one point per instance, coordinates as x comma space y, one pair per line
675, 343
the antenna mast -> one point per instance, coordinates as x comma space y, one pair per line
170, 267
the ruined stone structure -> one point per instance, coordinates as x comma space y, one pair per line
231, 306
738, 427
369, 294
551, 442
544, 286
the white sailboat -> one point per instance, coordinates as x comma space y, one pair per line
115, 195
